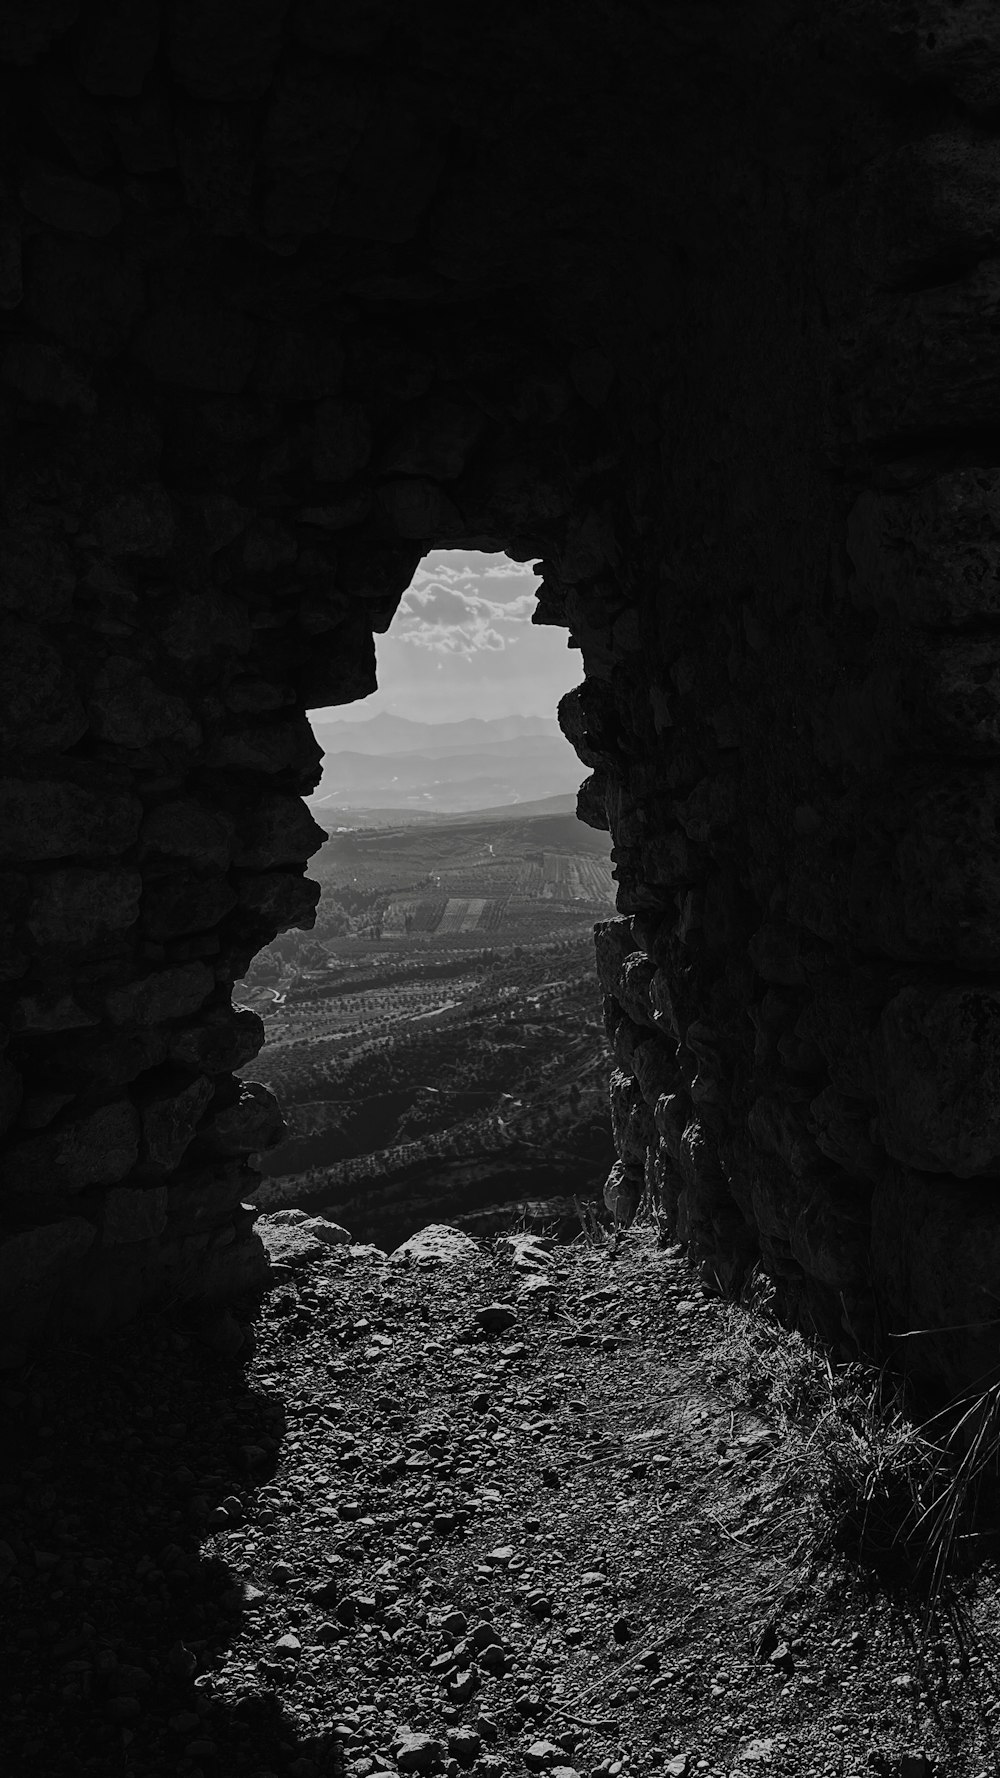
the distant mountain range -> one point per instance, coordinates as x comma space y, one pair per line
391, 762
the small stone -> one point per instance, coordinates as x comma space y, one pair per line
416, 1753
281, 1574
464, 1745
677, 1767
495, 1317
551, 1478
464, 1685
455, 1624
541, 1756
288, 1644
123, 1709
539, 1604
501, 1557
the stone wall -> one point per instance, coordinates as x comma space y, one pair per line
694, 304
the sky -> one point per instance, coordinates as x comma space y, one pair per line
462, 644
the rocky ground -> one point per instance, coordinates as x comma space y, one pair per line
484, 1507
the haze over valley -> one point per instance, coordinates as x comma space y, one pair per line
393, 762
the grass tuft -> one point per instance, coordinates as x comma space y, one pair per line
901, 1498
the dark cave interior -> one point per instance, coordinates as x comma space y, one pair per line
696, 306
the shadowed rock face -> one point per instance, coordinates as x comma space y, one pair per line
697, 306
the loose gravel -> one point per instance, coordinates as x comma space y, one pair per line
494, 1511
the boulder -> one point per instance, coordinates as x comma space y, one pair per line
438, 1244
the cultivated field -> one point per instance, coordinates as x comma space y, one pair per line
436, 1041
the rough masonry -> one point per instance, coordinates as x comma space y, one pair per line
695, 304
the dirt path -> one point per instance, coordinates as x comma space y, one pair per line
393, 1541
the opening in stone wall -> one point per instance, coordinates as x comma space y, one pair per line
435, 1040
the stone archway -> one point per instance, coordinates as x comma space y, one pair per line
695, 308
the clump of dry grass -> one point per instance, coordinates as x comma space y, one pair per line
898, 1496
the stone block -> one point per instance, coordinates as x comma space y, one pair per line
623, 1190
87, 295
170, 1108
117, 46
296, 365
84, 907
293, 1246
228, 50
254, 1122
313, 126
281, 899
41, 373
276, 830
75, 206
271, 747
188, 902
631, 1119
203, 1197
99, 1148
33, 1262
420, 509
435, 439
139, 523
36, 575
393, 173
937, 1061
215, 155
39, 706
830, 1236
438, 1244
925, 879
29, 31
54, 1009
935, 1254
198, 348
842, 1129
339, 669
924, 360
160, 996
342, 439
933, 553
920, 207
133, 1213
184, 828
671, 1117
56, 817
223, 1040
614, 941
143, 133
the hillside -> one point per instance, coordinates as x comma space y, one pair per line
436, 1043
457, 767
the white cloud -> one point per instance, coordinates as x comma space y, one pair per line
507, 570
447, 618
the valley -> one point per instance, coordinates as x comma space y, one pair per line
436, 1041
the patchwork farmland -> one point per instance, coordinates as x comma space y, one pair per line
436, 1040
